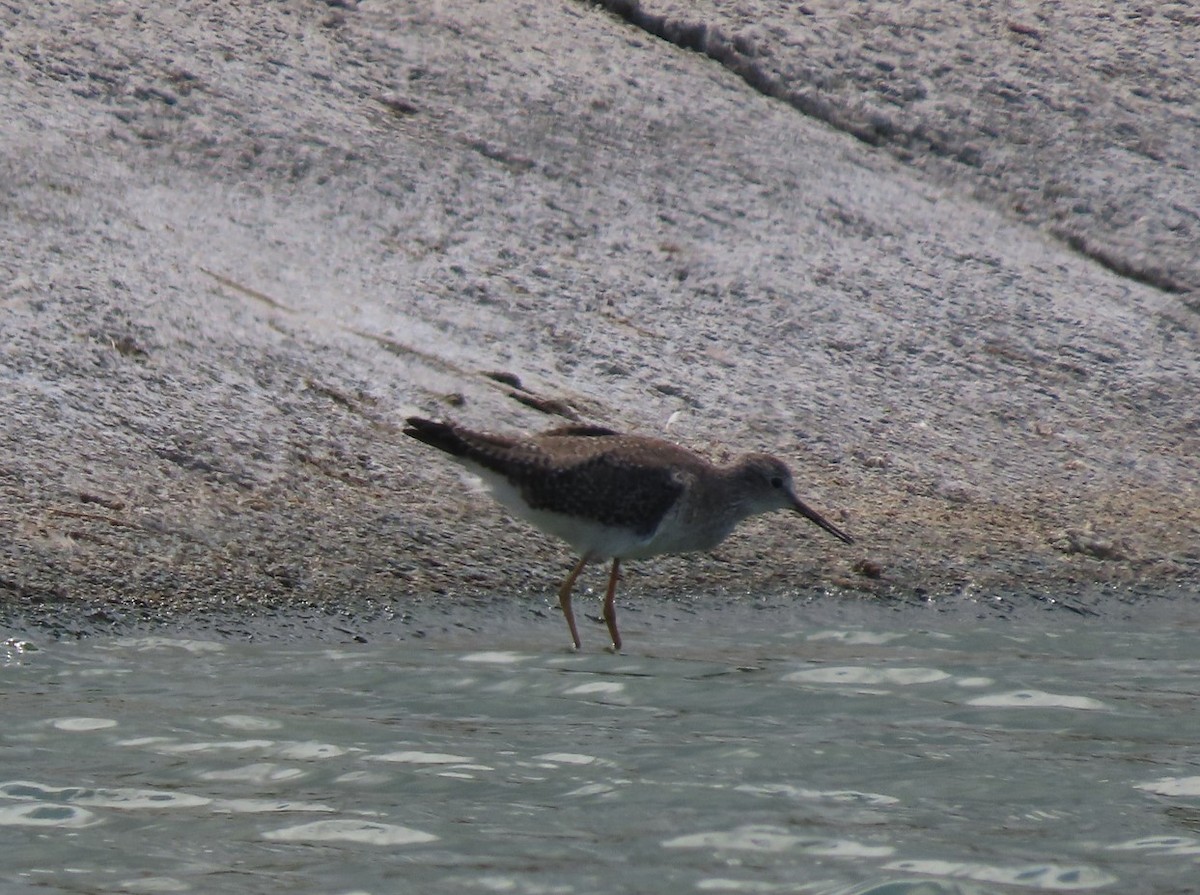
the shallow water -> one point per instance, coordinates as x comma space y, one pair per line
1001, 758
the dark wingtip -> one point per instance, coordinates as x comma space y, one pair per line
418, 423
435, 434
417, 427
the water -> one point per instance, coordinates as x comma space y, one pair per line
998, 758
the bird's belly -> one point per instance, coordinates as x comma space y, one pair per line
587, 537
669, 539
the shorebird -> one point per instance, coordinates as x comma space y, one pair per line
615, 496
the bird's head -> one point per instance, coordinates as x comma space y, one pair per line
766, 484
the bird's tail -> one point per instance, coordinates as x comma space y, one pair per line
442, 436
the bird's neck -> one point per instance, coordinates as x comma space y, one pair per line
722, 499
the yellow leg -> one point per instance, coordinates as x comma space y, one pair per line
564, 599
610, 610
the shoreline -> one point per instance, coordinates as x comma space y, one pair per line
502, 622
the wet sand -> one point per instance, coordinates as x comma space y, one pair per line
242, 244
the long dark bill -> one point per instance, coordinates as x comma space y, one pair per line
813, 516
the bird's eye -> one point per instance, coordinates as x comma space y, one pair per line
776, 481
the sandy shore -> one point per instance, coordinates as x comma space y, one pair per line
947, 269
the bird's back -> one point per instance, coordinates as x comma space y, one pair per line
601, 476
613, 486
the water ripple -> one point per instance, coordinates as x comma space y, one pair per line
1038, 699
366, 832
1049, 877
858, 675
856, 764
45, 815
117, 797
762, 838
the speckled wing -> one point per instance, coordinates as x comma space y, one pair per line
588, 472
603, 487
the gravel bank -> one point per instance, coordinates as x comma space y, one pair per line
241, 244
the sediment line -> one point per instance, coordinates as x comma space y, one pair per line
711, 41
873, 128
